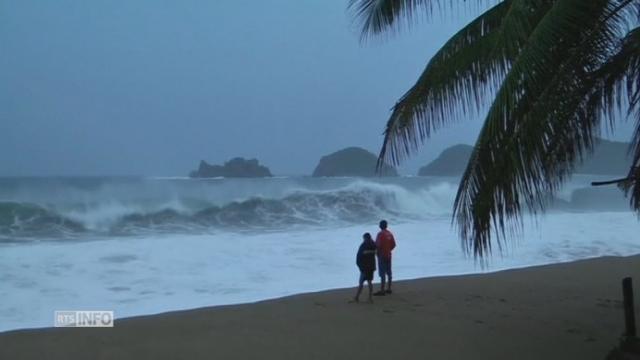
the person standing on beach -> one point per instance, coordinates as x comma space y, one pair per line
366, 261
385, 243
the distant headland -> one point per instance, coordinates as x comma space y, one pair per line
608, 158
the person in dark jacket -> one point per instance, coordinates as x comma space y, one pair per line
366, 261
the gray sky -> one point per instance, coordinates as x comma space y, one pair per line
150, 87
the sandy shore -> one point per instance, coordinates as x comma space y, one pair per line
565, 311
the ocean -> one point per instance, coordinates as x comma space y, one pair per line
139, 245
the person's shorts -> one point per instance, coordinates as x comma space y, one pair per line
384, 267
366, 275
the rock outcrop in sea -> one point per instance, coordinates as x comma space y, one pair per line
352, 161
234, 168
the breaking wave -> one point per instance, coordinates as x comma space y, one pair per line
359, 202
51, 208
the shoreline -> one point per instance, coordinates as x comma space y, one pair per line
156, 274
376, 282
566, 310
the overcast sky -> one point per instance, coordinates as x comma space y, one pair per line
150, 87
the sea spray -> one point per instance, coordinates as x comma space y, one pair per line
356, 202
76, 208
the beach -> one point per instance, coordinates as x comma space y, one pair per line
561, 311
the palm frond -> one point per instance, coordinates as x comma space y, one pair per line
461, 76
542, 122
378, 16
619, 84
634, 189
631, 52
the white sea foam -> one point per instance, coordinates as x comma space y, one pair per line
136, 206
136, 275
142, 246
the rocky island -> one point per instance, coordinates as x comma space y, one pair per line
352, 161
236, 167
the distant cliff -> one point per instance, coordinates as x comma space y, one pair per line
451, 162
352, 161
609, 158
237, 167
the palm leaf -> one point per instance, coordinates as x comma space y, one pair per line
461, 76
377, 16
628, 59
618, 86
541, 123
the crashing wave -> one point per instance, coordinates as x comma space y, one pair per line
352, 204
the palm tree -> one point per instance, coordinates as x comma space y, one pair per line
554, 71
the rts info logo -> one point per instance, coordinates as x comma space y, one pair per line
80, 318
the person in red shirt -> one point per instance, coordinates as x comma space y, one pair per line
385, 243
